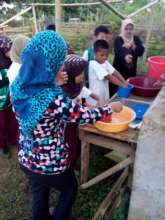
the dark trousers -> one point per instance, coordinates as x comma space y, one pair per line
66, 183
8, 128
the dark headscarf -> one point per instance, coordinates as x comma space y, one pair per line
51, 27
74, 65
5, 46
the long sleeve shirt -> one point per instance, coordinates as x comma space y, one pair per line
120, 53
50, 151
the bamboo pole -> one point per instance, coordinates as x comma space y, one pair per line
58, 15
106, 202
77, 4
34, 18
121, 16
149, 32
15, 16
143, 8
125, 163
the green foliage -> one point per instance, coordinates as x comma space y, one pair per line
156, 47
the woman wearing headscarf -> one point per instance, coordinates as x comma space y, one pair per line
8, 124
128, 48
43, 111
17, 47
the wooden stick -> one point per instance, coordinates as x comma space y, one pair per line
77, 4
113, 9
116, 203
34, 18
85, 153
143, 8
15, 16
58, 15
106, 202
125, 163
149, 32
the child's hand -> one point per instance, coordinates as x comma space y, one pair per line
62, 78
116, 106
125, 84
100, 102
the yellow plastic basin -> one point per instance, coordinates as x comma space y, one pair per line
120, 121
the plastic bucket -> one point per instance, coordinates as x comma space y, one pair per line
124, 92
156, 68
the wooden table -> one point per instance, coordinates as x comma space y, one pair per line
124, 142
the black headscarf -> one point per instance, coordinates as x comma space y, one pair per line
74, 65
5, 46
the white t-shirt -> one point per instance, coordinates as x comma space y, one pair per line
85, 93
13, 71
97, 82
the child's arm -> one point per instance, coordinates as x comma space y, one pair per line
117, 79
66, 110
120, 77
97, 98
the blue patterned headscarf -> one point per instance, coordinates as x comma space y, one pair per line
34, 88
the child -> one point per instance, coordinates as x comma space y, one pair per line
101, 72
100, 33
8, 124
17, 47
74, 89
43, 111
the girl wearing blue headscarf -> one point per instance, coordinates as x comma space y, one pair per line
43, 111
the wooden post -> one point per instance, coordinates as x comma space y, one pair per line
58, 15
34, 18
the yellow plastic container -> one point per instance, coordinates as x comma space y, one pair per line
120, 121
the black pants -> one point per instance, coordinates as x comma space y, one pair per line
66, 183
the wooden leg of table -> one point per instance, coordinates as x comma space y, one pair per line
106, 202
130, 178
85, 152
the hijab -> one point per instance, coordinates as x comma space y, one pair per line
34, 87
18, 45
5, 46
126, 22
74, 65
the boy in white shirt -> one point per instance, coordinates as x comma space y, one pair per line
101, 72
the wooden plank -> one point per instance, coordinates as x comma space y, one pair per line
106, 202
108, 173
116, 156
15, 16
108, 143
85, 153
129, 136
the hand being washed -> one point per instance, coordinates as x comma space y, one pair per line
116, 106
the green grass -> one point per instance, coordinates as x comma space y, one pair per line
15, 192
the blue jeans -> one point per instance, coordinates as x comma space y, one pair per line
66, 183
